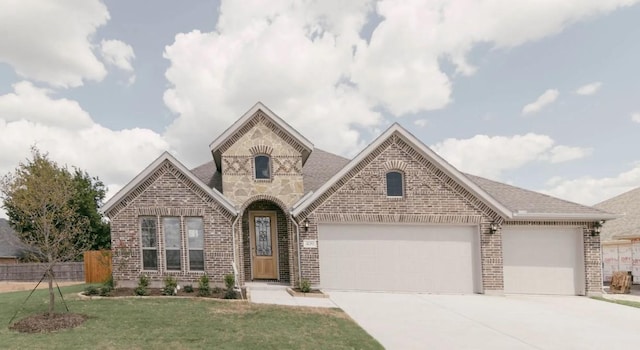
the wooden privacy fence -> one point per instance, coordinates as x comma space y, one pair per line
32, 272
97, 266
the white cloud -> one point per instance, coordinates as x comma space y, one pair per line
49, 41
28, 102
547, 98
117, 53
29, 116
589, 89
590, 191
420, 122
560, 154
308, 62
635, 117
490, 156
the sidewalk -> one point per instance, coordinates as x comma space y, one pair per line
274, 293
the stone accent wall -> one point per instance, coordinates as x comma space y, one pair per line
284, 239
238, 174
168, 192
429, 197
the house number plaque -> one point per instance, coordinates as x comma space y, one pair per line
310, 243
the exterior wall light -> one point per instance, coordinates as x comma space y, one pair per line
305, 225
493, 227
595, 231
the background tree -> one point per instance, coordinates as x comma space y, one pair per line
40, 201
88, 198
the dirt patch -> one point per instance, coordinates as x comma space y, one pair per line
43, 323
9, 286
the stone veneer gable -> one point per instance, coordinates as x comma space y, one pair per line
263, 137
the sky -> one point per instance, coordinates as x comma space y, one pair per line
543, 95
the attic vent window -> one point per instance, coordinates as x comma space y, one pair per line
262, 165
395, 184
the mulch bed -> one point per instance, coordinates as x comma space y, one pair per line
127, 292
43, 323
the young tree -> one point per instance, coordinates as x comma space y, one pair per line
39, 199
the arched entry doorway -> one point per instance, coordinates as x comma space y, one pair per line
266, 241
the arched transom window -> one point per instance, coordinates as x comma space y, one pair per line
395, 184
262, 166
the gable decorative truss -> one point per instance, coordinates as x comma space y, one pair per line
441, 168
259, 113
169, 163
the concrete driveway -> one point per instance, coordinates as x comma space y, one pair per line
426, 321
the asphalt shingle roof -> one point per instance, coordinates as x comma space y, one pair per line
322, 165
10, 244
520, 200
628, 206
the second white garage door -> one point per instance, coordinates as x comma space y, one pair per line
411, 258
543, 260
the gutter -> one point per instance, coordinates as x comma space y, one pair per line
233, 243
561, 217
298, 244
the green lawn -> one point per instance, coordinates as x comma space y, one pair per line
183, 324
621, 302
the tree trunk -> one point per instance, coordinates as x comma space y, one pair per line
52, 295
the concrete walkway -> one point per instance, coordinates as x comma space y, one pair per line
274, 293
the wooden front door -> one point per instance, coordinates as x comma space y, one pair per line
264, 244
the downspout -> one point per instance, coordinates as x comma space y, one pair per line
233, 242
298, 246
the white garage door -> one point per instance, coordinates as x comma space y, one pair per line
543, 260
412, 258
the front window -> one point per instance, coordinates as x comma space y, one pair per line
172, 242
395, 184
262, 167
195, 234
148, 231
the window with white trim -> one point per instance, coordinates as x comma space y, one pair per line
149, 235
172, 243
262, 166
195, 242
395, 184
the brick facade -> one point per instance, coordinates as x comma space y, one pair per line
168, 193
430, 197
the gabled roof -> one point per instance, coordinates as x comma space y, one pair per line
10, 245
530, 205
151, 169
246, 118
423, 150
628, 206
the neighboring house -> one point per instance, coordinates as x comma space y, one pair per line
11, 248
397, 217
621, 237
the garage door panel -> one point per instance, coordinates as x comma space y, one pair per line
543, 260
423, 258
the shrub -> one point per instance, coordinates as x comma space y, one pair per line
203, 286
143, 284
109, 282
305, 286
170, 286
91, 290
216, 290
230, 282
105, 290
188, 288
